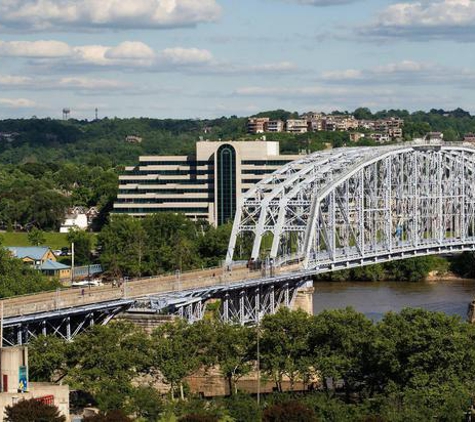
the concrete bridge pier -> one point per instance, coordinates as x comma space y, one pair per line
304, 298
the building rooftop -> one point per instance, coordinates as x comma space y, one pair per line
53, 265
33, 252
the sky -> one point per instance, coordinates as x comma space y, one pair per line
212, 58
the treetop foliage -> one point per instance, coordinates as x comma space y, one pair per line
32, 410
410, 365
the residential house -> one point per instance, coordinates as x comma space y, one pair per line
42, 259
78, 218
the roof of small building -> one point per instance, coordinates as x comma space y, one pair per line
33, 252
53, 265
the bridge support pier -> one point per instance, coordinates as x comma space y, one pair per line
246, 306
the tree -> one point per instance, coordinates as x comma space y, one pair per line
340, 341
104, 361
179, 350
193, 417
36, 237
33, 410
420, 349
284, 345
47, 356
119, 255
146, 403
112, 416
235, 352
172, 242
243, 408
82, 245
213, 246
16, 278
290, 411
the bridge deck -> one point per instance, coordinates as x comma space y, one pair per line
70, 298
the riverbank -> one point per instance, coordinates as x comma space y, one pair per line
435, 276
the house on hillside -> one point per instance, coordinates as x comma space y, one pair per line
78, 218
42, 259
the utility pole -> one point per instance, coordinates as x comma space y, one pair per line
258, 360
72, 263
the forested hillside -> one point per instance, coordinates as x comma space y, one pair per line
47, 165
102, 143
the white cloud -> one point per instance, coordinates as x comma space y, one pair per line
131, 54
13, 82
91, 84
406, 72
322, 3
130, 50
307, 91
424, 19
35, 49
70, 15
185, 56
231, 69
17, 103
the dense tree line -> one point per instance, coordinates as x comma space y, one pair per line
410, 269
102, 142
159, 243
416, 365
38, 194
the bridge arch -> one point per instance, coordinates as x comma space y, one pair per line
355, 206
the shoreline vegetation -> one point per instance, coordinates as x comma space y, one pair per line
427, 268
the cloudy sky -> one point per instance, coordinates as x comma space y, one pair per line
208, 58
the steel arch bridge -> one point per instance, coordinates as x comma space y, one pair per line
350, 207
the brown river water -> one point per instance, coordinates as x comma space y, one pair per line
374, 299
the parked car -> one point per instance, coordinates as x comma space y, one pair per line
85, 283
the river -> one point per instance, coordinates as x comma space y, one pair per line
374, 299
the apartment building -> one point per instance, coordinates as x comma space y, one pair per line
257, 124
275, 126
339, 123
380, 138
296, 126
207, 185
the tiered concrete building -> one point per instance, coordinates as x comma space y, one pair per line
206, 185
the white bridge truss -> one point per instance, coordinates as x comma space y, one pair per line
349, 207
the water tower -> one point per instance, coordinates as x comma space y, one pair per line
66, 112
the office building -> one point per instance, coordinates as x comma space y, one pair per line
206, 185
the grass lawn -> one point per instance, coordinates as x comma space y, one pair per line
54, 240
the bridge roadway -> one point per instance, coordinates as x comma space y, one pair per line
133, 289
